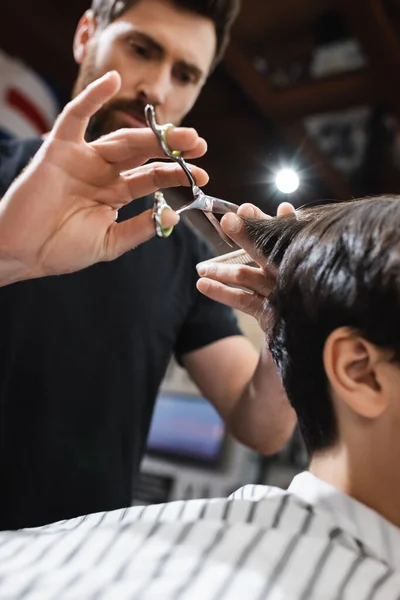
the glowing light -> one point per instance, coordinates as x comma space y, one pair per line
287, 181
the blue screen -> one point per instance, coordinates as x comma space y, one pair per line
186, 426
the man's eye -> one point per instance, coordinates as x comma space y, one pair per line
185, 77
140, 50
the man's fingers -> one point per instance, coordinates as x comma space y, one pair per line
129, 148
129, 234
250, 278
188, 140
150, 178
234, 227
252, 304
249, 211
73, 121
285, 208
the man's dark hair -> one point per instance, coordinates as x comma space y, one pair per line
339, 266
221, 12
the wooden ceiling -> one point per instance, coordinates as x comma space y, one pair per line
255, 108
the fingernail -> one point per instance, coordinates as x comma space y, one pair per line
232, 223
203, 286
109, 74
169, 218
201, 270
248, 211
251, 212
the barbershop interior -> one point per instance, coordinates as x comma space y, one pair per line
302, 107
308, 87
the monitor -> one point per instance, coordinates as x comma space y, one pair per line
186, 427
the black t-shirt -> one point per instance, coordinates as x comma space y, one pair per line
81, 360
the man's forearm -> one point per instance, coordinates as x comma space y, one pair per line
246, 390
263, 418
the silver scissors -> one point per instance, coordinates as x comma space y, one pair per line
201, 201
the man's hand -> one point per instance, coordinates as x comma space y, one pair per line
260, 281
259, 413
60, 215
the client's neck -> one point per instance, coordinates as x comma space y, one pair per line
365, 474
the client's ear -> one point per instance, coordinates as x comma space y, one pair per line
354, 369
84, 33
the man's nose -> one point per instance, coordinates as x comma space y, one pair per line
156, 85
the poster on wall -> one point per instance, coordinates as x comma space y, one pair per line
342, 136
28, 105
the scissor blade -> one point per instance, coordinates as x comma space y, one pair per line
215, 223
221, 207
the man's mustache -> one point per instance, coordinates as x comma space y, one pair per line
135, 108
98, 123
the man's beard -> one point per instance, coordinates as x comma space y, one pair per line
106, 119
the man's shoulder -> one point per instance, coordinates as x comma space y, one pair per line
15, 154
22, 146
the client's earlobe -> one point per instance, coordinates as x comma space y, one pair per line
352, 367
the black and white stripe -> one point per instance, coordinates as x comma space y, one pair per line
261, 544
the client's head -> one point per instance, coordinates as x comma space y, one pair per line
335, 324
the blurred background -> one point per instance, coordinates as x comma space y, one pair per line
313, 84
310, 85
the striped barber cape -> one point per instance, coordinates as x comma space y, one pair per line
309, 542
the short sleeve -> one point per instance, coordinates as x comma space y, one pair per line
207, 321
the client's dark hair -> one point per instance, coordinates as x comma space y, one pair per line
221, 12
339, 265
